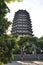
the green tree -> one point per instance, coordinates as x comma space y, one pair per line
4, 49
7, 48
34, 44
40, 43
11, 43
22, 42
5, 41
4, 23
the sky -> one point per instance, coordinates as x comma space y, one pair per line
35, 8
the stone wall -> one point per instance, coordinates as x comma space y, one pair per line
27, 57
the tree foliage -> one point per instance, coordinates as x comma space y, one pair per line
4, 23
7, 47
1, 63
6, 42
13, 0
40, 43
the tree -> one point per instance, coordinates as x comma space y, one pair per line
5, 42
7, 48
4, 23
11, 43
40, 43
34, 44
22, 42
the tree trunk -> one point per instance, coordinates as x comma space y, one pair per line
21, 52
35, 51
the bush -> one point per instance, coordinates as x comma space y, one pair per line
1, 63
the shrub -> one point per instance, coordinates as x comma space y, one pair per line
1, 63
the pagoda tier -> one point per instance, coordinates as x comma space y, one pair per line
21, 24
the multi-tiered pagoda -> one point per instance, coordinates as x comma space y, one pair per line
21, 24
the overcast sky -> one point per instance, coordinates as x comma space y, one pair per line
35, 8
